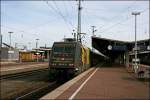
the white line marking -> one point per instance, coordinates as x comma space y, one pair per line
33, 91
58, 91
81, 86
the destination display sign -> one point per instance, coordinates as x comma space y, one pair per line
10, 51
117, 48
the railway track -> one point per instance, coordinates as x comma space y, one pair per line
37, 93
16, 85
22, 74
23, 63
27, 85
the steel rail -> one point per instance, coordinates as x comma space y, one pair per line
22, 74
45, 89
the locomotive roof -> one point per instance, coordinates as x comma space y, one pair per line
66, 42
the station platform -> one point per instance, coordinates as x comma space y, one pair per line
8, 68
102, 83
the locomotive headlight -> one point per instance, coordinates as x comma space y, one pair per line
76, 69
53, 64
61, 64
71, 64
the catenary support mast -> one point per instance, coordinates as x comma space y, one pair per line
79, 22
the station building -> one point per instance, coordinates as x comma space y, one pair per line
9, 53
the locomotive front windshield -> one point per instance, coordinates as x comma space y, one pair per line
63, 54
63, 49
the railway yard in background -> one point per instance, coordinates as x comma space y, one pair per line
83, 66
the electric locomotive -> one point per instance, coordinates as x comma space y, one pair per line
68, 58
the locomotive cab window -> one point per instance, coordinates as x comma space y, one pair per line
63, 49
58, 49
68, 49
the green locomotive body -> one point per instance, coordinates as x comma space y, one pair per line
69, 58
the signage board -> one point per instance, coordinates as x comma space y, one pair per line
10, 51
119, 48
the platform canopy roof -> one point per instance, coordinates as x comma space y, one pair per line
107, 46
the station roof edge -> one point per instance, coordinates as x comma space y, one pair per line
119, 40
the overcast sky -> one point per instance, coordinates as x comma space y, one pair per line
53, 20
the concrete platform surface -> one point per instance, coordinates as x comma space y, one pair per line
105, 83
22, 68
7, 62
12, 63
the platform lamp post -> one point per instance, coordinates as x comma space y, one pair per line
29, 48
93, 34
37, 50
0, 41
135, 47
10, 37
10, 45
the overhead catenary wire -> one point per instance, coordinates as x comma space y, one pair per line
41, 25
59, 11
85, 16
63, 15
116, 24
130, 6
20, 32
17, 30
119, 14
60, 14
31, 28
66, 9
121, 22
